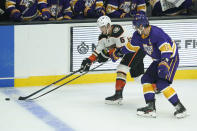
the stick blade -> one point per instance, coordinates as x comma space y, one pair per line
21, 98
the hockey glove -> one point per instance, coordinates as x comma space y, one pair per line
116, 54
163, 68
85, 65
103, 56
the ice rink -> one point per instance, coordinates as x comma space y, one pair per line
82, 108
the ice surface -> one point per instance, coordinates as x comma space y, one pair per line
82, 108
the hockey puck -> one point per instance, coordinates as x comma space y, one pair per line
7, 99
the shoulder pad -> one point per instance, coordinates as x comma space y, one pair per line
101, 36
117, 30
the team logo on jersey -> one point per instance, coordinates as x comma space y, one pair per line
148, 49
83, 48
116, 29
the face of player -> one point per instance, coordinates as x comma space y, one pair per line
140, 29
103, 30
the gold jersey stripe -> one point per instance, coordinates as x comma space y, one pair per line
169, 92
131, 47
148, 88
165, 47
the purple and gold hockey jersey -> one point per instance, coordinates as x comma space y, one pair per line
157, 45
87, 8
28, 10
125, 8
62, 9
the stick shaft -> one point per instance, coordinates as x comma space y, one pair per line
65, 83
23, 98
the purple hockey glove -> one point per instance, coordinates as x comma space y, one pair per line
163, 69
17, 16
116, 54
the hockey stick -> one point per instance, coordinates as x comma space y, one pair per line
66, 83
25, 97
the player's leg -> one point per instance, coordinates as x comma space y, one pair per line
136, 65
120, 83
137, 71
172, 97
164, 86
147, 79
122, 70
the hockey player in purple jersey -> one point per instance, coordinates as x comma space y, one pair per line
164, 52
60, 10
87, 8
124, 8
27, 10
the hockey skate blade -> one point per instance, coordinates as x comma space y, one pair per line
116, 102
150, 114
181, 115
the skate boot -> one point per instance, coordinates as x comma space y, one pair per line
116, 99
180, 111
148, 111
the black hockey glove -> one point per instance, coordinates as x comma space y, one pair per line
85, 65
103, 56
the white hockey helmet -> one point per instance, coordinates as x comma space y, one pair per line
103, 21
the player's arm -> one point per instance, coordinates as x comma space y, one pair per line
165, 49
141, 6
43, 7
14, 13
138, 6
67, 11
166, 52
87, 62
119, 52
129, 47
112, 9
100, 8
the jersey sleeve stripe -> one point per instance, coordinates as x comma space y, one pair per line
132, 48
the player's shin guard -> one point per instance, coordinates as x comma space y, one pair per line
148, 111
117, 97
148, 91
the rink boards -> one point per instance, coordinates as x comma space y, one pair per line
35, 55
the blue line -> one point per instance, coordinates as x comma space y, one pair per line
39, 112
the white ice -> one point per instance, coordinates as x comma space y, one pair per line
82, 108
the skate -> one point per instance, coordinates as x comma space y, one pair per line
180, 111
148, 111
116, 99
